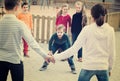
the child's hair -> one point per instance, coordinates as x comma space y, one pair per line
84, 17
59, 27
10, 4
60, 12
98, 12
24, 3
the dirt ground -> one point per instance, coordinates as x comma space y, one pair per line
59, 71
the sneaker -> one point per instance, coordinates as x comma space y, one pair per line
79, 59
26, 56
43, 68
74, 72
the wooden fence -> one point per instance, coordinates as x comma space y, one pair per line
44, 27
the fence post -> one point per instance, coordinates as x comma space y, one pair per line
37, 28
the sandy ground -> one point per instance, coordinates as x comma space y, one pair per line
59, 71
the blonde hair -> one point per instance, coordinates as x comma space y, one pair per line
59, 27
78, 3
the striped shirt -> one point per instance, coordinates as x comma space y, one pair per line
11, 32
98, 47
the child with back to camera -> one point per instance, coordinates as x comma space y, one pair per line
98, 42
59, 41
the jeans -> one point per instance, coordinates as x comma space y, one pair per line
74, 37
63, 47
86, 75
16, 70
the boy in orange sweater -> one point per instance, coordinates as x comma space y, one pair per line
26, 17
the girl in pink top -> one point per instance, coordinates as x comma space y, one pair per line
64, 18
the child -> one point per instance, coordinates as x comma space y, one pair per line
12, 31
64, 18
77, 25
26, 17
59, 41
98, 42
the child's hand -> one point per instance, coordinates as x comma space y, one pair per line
50, 53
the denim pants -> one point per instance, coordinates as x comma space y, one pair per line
16, 70
63, 47
86, 75
74, 37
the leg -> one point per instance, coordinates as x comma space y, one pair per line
17, 72
85, 75
102, 75
71, 64
45, 64
70, 60
80, 55
3, 70
25, 48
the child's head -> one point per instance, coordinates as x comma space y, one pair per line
11, 4
79, 6
60, 30
64, 9
24, 6
98, 13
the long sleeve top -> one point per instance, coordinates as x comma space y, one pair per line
27, 19
55, 40
65, 20
98, 47
76, 26
11, 32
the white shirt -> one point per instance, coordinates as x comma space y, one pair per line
11, 32
98, 47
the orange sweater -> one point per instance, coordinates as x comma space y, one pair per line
27, 18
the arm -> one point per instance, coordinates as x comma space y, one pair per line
69, 25
111, 45
31, 23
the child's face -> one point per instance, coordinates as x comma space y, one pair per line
78, 8
25, 8
60, 33
64, 10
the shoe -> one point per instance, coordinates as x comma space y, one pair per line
26, 55
79, 59
74, 72
43, 68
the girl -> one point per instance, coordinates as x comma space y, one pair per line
64, 18
98, 42
78, 22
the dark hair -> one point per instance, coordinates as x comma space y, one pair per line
24, 3
10, 4
98, 12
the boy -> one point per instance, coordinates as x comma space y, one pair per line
11, 32
59, 41
26, 17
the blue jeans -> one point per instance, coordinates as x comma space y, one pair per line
16, 70
63, 47
86, 75
74, 37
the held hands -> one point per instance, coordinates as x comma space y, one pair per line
50, 58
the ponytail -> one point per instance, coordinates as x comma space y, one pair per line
98, 12
100, 21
